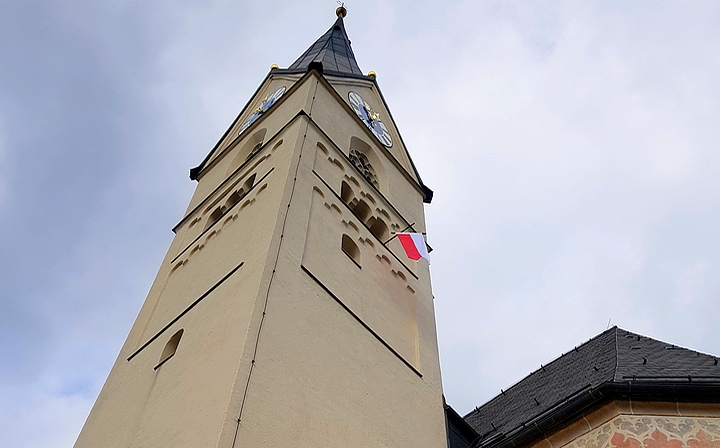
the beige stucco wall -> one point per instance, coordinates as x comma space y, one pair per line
342, 359
143, 406
626, 424
282, 331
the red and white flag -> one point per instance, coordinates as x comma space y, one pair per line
414, 245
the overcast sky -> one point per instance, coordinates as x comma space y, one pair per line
573, 148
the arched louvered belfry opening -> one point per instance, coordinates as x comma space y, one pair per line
363, 157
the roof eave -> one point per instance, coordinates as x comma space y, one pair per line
295, 71
590, 399
196, 170
463, 425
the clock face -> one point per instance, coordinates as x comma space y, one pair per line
370, 118
264, 106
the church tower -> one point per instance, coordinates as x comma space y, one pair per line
286, 313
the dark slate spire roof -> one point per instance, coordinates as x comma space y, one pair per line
614, 362
332, 50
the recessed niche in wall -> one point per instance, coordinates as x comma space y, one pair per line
346, 193
237, 195
214, 216
234, 198
351, 249
362, 210
249, 183
378, 228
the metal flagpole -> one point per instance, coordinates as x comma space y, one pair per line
391, 238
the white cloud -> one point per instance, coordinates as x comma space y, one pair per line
43, 415
559, 138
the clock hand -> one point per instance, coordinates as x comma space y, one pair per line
371, 114
366, 113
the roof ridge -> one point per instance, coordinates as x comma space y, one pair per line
670, 344
615, 370
543, 367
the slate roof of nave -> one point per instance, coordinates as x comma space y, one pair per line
614, 356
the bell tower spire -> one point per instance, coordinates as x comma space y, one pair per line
331, 53
285, 313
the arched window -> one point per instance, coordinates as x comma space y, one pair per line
170, 348
351, 249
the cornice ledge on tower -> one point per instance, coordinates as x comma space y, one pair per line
330, 55
320, 68
196, 172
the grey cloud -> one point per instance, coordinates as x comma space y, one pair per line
572, 148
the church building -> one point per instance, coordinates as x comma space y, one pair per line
290, 311
617, 390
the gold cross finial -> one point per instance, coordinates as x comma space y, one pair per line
341, 11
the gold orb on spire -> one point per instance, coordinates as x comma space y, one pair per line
274, 66
373, 75
341, 11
